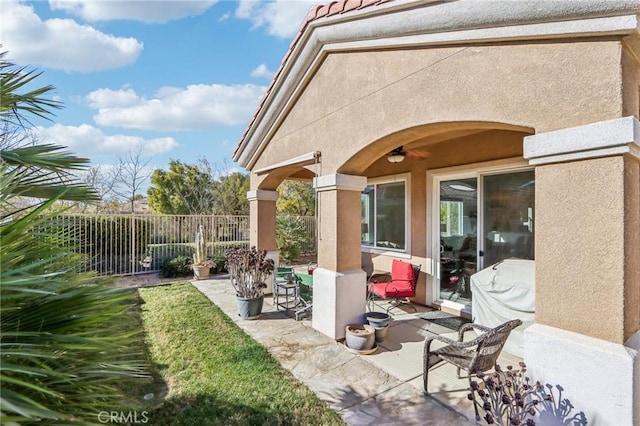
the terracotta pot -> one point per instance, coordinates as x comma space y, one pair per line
360, 337
381, 333
200, 272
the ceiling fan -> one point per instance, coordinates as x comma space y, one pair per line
397, 155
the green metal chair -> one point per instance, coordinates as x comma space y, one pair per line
305, 295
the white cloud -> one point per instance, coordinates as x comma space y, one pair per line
106, 98
262, 71
62, 43
282, 18
174, 109
88, 141
148, 11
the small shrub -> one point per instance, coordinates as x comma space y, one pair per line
179, 266
219, 264
290, 235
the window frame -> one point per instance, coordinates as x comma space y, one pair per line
373, 248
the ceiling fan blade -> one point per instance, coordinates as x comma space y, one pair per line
416, 154
397, 151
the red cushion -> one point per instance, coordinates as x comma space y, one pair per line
387, 290
402, 274
401, 284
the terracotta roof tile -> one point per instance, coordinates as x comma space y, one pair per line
351, 4
335, 7
322, 11
315, 12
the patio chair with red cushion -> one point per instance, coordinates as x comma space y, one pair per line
404, 277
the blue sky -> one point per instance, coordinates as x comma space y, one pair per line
177, 79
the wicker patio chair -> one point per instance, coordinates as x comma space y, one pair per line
474, 356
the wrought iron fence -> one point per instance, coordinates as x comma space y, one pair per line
133, 244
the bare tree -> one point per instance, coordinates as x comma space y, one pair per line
134, 174
103, 180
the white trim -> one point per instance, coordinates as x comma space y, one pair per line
262, 195
421, 23
604, 138
545, 31
303, 159
381, 180
338, 181
599, 377
385, 251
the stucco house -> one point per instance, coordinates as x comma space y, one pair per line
493, 128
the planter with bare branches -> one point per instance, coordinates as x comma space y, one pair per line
249, 270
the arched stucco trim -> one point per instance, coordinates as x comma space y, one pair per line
273, 179
358, 163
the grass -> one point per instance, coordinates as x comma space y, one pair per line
212, 373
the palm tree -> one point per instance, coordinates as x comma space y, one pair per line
66, 338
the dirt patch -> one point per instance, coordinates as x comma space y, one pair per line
305, 259
146, 280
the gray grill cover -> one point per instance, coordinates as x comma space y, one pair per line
503, 292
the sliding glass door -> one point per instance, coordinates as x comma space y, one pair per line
508, 216
458, 238
484, 219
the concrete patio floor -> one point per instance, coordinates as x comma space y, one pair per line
382, 388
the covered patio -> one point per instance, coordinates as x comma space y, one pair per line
383, 387
467, 133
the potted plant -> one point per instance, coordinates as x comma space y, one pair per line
201, 265
147, 260
249, 269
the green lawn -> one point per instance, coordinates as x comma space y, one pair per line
212, 373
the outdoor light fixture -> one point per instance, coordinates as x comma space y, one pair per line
461, 187
395, 158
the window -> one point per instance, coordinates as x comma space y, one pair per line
451, 218
384, 221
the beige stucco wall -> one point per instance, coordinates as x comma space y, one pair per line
338, 239
464, 105
632, 247
581, 260
262, 224
357, 98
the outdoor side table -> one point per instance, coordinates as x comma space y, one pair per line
288, 292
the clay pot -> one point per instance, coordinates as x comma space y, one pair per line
360, 337
381, 333
378, 319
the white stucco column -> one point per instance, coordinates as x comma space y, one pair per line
586, 337
339, 283
262, 225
